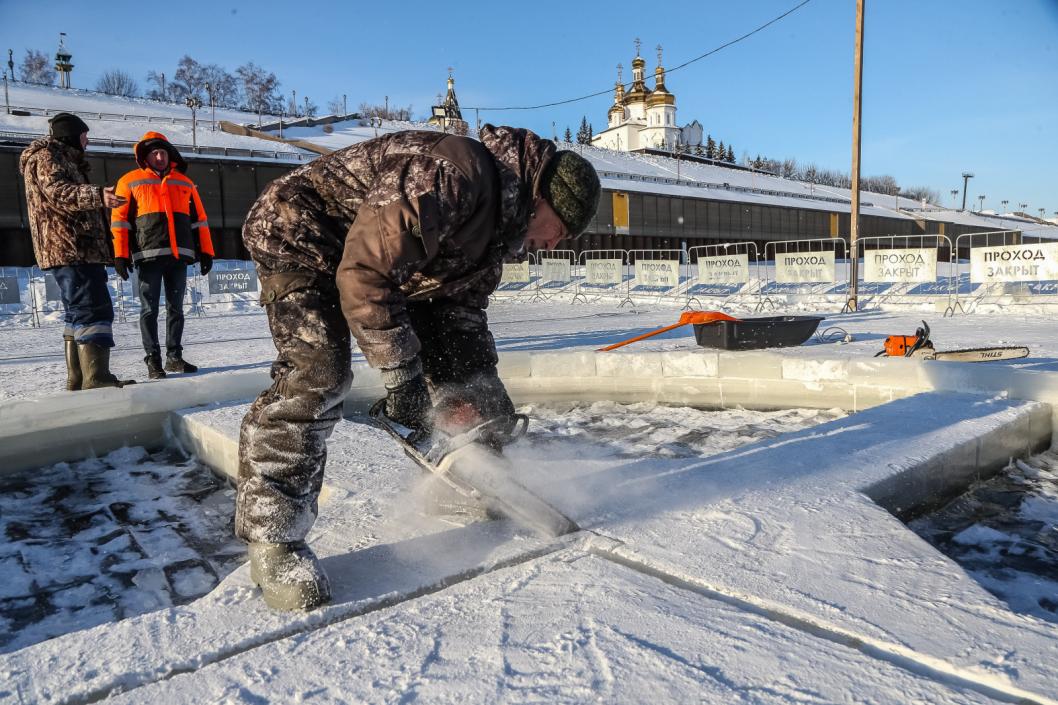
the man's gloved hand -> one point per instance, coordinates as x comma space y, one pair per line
205, 263
407, 398
123, 265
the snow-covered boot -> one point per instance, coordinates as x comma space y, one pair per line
176, 363
95, 367
289, 575
154, 366
73, 364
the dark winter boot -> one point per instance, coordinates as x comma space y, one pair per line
289, 575
95, 367
178, 364
154, 366
73, 364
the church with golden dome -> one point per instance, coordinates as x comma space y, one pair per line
641, 118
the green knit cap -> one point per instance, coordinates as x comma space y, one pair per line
571, 186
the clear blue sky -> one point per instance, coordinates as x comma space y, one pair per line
948, 86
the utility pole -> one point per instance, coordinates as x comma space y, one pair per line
7, 101
966, 176
11, 63
165, 96
345, 108
212, 106
854, 216
294, 101
981, 205
386, 114
307, 106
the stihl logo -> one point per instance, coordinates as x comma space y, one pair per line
1012, 255
993, 353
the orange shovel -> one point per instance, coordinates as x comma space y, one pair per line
687, 317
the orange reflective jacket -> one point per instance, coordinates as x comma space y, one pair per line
161, 210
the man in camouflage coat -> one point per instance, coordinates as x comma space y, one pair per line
399, 240
70, 239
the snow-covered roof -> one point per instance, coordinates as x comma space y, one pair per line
124, 120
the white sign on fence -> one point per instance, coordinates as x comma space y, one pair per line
9, 291
658, 272
557, 270
804, 267
909, 265
724, 269
515, 273
603, 271
1014, 263
232, 281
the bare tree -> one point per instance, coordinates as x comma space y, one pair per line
368, 110
117, 82
310, 108
260, 88
160, 90
336, 106
37, 68
222, 85
189, 80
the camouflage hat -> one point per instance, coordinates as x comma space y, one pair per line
571, 186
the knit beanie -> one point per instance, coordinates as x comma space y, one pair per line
68, 128
571, 186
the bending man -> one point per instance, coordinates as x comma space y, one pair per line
399, 240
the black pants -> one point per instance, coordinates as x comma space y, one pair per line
152, 274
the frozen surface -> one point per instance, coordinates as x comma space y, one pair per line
31, 363
854, 604
109, 538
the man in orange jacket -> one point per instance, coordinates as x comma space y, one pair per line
162, 213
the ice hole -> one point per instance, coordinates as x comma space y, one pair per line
1004, 532
108, 538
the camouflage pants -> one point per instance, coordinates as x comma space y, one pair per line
283, 439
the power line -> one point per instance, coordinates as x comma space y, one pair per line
677, 68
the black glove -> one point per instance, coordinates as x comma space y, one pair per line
205, 263
409, 403
123, 265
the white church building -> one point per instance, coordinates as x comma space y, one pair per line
643, 118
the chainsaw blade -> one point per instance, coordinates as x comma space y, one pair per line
973, 354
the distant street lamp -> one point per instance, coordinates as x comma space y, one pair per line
1042, 211
966, 176
955, 196
1022, 207
7, 101
212, 106
194, 103
981, 207
1005, 202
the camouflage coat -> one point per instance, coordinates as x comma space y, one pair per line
65, 212
402, 218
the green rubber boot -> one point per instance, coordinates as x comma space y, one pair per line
73, 364
289, 575
95, 367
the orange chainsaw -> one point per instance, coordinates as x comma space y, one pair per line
920, 347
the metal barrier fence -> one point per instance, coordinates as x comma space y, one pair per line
659, 272
29, 296
555, 272
795, 263
517, 277
729, 270
605, 274
906, 268
1000, 268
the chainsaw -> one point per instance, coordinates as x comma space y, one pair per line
467, 464
920, 347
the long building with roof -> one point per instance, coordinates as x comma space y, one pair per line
650, 200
